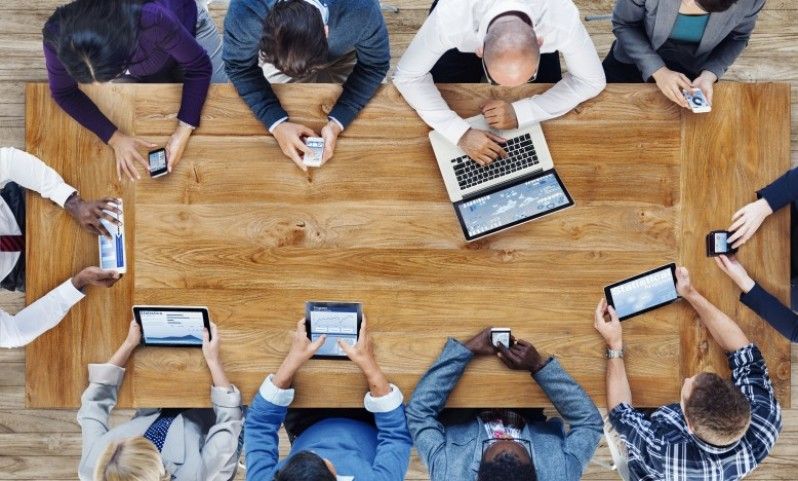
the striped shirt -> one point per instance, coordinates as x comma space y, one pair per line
660, 447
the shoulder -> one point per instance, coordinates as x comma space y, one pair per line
358, 9
258, 8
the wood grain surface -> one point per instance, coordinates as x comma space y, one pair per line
238, 228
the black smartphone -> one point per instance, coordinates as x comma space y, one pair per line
718, 243
501, 335
338, 321
157, 160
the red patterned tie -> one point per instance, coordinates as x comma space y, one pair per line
12, 243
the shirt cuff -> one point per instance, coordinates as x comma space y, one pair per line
618, 411
744, 356
527, 112
69, 294
226, 397
275, 395
384, 404
336, 121
108, 374
276, 123
454, 130
61, 193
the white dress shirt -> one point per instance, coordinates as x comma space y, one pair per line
462, 24
29, 323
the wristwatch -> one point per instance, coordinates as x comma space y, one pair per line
614, 354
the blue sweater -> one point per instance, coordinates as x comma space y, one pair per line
354, 25
355, 448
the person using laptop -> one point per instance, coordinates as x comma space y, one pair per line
327, 444
504, 40
681, 46
159, 444
20, 170
718, 430
344, 41
502, 444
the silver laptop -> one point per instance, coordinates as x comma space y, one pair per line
508, 192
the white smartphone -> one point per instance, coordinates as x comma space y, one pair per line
316, 144
697, 101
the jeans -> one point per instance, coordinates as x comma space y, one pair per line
210, 40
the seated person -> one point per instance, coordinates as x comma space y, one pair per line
20, 169
745, 223
327, 444
149, 41
345, 41
159, 444
507, 40
680, 45
514, 446
719, 430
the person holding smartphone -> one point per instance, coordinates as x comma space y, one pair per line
148, 41
159, 444
502, 444
720, 429
745, 223
329, 444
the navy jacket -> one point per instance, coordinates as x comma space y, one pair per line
354, 25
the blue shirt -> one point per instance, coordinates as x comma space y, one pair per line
689, 28
662, 447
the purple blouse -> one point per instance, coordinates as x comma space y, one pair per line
165, 40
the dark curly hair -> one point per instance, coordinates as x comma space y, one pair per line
718, 411
293, 38
506, 467
304, 466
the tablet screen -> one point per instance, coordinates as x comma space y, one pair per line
644, 292
512, 205
172, 327
337, 322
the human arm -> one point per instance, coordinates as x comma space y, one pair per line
723, 329
779, 193
727, 51
608, 325
627, 25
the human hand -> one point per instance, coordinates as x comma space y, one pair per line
500, 114
177, 145
301, 350
672, 84
289, 137
683, 284
362, 353
746, 221
482, 146
330, 133
522, 356
706, 83
481, 343
127, 154
732, 267
608, 325
89, 214
96, 277
210, 345
133, 338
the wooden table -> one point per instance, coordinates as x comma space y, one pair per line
239, 228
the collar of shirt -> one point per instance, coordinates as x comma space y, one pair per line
500, 8
673, 415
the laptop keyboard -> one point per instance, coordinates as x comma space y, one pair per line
520, 155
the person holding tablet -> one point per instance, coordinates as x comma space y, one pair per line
20, 170
371, 444
89, 41
502, 444
159, 444
718, 430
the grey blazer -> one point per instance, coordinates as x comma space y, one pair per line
202, 444
642, 26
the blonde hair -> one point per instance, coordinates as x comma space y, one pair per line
131, 459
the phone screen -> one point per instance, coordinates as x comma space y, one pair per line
336, 321
500, 337
721, 244
157, 159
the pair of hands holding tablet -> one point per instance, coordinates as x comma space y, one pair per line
362, 354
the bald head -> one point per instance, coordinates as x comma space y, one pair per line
511, 51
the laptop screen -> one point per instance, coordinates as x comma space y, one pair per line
509, 205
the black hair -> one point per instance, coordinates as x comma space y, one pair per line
293, 38
304, 466
94, 39
713, 6
506, 467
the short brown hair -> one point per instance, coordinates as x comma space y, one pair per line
293, 38
717, 410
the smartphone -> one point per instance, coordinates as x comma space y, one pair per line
157, 159
697, 102
718, 243
501, 335
316, 144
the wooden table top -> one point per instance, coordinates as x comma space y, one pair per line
239, 228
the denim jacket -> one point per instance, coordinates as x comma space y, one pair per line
353, 25
455, 451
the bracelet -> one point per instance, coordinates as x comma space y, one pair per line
614, 353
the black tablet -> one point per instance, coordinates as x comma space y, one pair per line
172, 325
643, 292
337, 320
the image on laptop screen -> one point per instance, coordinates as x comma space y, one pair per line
172, 327
512, 205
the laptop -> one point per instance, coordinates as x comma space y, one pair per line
508, 192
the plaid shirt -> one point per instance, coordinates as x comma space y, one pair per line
662, 449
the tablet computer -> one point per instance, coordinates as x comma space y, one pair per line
643, 292
172, 325
338, 320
